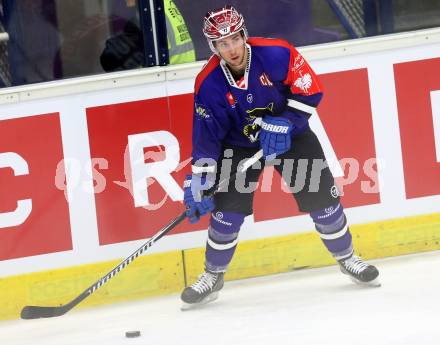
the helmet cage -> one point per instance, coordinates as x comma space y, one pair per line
222, 23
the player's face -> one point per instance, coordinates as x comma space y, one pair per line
232, 50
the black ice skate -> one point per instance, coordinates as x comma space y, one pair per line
359, 271
204, 290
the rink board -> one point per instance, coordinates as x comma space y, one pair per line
78, 193
165, 273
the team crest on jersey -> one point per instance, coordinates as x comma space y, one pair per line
202, 111
304, 82
252, 129
264, 80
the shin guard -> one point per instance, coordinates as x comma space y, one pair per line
333, 229
222, 240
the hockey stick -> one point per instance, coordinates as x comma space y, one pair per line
36, 312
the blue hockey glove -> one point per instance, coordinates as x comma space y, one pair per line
275, 137
196, 203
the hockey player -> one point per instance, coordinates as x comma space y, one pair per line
257, 93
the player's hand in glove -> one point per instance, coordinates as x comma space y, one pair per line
197, 204
275, 137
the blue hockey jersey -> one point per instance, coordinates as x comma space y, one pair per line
277, 81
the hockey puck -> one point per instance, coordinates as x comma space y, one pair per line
133, 334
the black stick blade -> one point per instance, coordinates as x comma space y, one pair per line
33, 312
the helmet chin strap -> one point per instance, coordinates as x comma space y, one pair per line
212, 47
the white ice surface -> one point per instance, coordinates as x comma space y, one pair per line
315, 306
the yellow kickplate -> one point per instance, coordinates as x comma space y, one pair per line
149, 275
398, 236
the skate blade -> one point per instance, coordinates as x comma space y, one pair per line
374, 283
210, 298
